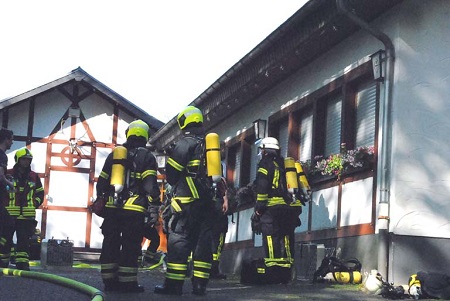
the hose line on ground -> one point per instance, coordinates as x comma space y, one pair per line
95, 294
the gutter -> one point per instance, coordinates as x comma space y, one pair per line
385, 152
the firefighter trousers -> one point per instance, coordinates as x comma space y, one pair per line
277, 232
190, 232
122, 231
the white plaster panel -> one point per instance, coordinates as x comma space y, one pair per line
96, 232
19, 124
101, 154
324, 208
420, 150
232, 229
48, 112
258, 240
64, 224
245, 228
99, 116
356, 202
124, 120
304, 217
39, 151
11, 152
68, 189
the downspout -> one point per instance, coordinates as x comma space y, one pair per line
384, 157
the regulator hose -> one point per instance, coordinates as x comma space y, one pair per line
95, 294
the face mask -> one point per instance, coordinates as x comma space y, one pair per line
260, 155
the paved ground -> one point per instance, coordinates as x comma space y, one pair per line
26, 289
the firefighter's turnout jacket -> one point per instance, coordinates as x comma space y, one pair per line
123, 225
27, 195
190, 227
273, 201
23, 199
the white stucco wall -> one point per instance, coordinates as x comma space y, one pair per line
421, 109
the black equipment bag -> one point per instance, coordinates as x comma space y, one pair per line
255, 271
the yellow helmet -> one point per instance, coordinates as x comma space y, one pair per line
138, 128
188, 116
23, 153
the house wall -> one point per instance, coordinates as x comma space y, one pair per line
421, 106
69, 181
419, 206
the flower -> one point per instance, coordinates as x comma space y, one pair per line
337, 163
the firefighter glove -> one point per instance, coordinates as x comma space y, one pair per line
302, 197
256, 223
166, 215
261, 207
152, 215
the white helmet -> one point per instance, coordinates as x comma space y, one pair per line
269, 143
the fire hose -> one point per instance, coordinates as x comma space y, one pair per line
95, 294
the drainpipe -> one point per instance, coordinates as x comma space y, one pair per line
384, 158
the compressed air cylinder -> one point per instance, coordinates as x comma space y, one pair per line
304, 185
213, 163
118, 168
344, 277
291, 174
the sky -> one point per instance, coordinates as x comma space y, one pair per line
160, 55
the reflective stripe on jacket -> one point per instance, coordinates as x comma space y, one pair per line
186, 170
141, 189
271, 182
27, 195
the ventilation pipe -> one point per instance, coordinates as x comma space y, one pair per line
384, 154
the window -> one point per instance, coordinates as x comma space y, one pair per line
237, 169
333, 126
365, 114
283, 138
306, 135
342, 111
241, 159
253, 161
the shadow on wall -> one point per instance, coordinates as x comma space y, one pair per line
323, 213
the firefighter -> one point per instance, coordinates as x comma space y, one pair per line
220, 227
6, 140
190, 226
152, 257
272, 208
126, 209
25, 196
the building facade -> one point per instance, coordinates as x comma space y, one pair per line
70, 125
367, 76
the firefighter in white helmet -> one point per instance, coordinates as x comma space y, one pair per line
272, 209
127, 208
190, 227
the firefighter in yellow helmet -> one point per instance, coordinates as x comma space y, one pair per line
25, 196
190, 227
127, 208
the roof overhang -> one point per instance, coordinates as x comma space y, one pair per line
81, 76
309, 33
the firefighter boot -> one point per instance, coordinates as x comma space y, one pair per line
131, 287
170, 287
215, 271
199, 286
111, 285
